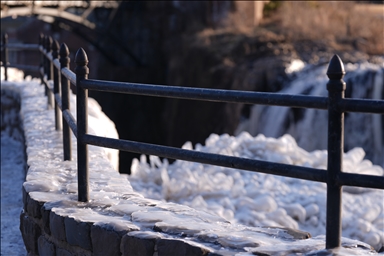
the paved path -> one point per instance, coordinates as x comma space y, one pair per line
12, 177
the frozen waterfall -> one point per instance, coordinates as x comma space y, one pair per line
309, 126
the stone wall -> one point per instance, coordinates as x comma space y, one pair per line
47, 233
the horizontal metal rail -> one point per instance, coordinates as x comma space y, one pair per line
56, 63
24, 67
71, 121
360, 180
69, 75
49, 56
362, 105
47, 83
285, 170
21, 46
58, 100
292, 171
231, 96
49, 90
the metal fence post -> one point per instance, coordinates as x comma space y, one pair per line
48, 47
5, 54
41, 43
49, 70
82, 72
45, 39
65, 103
56, 84
336, 87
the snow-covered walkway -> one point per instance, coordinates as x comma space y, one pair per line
12, 178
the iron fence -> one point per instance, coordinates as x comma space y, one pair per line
56, 76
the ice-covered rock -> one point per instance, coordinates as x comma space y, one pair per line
259, 199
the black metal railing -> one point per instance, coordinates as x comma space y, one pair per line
53, 67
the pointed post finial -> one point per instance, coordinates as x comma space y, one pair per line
64, 55
81, 58
81, 61
55, 49
335, 74
336, 68
64, 51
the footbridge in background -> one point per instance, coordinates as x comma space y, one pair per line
92, 21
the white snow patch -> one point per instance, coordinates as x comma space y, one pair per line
295, 66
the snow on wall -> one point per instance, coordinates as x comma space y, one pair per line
115, 205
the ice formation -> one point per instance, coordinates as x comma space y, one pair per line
258, 199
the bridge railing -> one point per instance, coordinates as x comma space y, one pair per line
54, 67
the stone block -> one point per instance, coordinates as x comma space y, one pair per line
63, 252
56, 226
105, 241
30, 232
297, 234
172, 247
45, 214
45, 247
133, 246
218, 254
34, 207
78, 233
25, 198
